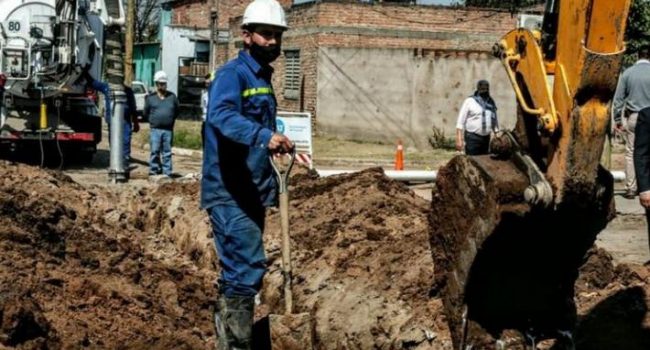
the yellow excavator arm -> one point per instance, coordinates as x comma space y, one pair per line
568, 84
509, 230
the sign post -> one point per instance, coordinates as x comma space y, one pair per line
297, 127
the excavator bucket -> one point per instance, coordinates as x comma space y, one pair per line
503, 264
509, 231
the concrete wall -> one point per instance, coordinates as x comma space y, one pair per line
418, 29
176, 44
386, 94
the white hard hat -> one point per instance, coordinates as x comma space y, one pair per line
268, 12
160, 77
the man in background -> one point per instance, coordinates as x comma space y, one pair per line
161, 109
477, 119
632, 95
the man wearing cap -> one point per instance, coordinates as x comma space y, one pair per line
238, 182
161, 109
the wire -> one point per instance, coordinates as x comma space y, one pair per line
57, 103
40, 142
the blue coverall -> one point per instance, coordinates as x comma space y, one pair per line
238, 182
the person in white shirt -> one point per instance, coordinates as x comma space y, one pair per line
204, 106
477, 119
632, 95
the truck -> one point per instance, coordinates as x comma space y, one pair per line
46, 49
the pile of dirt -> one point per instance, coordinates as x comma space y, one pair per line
133, 268
613, 304
74, 273
362, 263
361, 257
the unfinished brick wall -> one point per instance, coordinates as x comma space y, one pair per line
197, 12
340, 24
427, 30
194, 13
421, 18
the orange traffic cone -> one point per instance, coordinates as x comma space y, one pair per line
399, 156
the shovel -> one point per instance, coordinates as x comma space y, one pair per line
289, 331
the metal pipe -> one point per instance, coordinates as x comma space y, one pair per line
423, 175
398, 175
114, 68
117, 171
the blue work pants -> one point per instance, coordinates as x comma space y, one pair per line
160, 142
237, 237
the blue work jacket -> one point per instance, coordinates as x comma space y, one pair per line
239, 125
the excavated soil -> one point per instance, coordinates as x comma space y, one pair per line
133, 268
80, 270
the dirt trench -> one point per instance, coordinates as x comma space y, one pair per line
94, 267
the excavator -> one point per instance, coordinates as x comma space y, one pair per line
509, 230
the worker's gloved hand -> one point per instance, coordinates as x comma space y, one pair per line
280, 144
644, 199
136, 126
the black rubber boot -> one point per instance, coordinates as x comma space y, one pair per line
234, 322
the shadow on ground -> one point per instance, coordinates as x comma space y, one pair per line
616, 323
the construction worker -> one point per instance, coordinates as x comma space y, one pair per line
632, 95
161, 110
238, 182
477, 119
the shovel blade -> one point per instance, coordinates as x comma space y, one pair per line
291, 332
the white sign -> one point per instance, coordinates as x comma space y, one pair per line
15, 27
297, 127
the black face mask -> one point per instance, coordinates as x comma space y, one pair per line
264, 55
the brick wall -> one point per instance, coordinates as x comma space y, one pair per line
427, 30
197, 12
339, 24
194, 13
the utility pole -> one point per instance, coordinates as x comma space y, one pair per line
129, 41
214, 34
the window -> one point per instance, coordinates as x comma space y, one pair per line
292, 74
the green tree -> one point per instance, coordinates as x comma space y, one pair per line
637, 33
